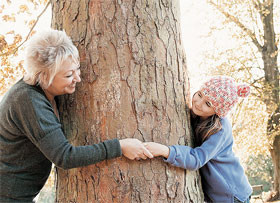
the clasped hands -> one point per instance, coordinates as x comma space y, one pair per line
135, 149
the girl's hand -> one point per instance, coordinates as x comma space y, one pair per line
157, 149
134, 149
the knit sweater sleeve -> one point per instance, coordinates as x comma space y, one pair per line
195, 158
36, 118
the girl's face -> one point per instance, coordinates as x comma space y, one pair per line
65, 80
202, 107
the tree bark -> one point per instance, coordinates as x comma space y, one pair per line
273, 128
269, 56
275, 152
134, 84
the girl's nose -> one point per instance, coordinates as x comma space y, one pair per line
199, 102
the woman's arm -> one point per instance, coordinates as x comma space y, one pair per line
38, 123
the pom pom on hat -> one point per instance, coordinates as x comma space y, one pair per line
222, 92
243, 90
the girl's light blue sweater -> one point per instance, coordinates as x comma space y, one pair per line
223, 177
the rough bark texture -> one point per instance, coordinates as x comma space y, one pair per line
134, 84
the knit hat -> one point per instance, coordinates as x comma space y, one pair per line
222, 92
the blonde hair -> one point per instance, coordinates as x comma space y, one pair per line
203, 129
45, 53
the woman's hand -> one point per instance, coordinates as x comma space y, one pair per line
134, 149
157, 149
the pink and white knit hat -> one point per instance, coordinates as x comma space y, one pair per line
222, 92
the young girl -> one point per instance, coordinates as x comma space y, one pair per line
223, 177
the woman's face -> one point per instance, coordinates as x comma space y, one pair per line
65, 80
202, 107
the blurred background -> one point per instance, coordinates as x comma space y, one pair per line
219, 37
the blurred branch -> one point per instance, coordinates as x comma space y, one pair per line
235, 118
257, 4
30, 31
258, 89
239, 24
259, 65
257, 80
277, 41
229, 49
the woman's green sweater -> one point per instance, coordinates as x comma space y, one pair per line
31, 139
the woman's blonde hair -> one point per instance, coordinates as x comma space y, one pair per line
45, 53
203, 129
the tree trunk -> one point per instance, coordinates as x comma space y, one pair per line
274, 130
275, 153
269, 56
134, 84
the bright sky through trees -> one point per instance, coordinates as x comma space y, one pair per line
194, 28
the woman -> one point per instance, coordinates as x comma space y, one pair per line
223, 177
31, 137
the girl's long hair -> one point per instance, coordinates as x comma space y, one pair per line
203, 129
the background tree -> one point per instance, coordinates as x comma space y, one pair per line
17, 25
134, 85
254, 23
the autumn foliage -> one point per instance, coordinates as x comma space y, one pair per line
18, 20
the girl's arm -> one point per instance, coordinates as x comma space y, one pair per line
157, 149
194, 158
